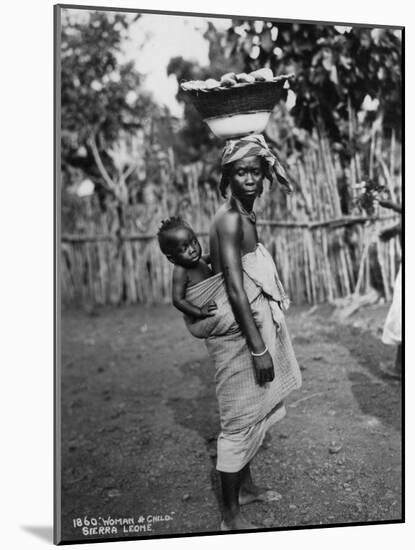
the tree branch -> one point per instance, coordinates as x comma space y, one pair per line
92, 143
129, 170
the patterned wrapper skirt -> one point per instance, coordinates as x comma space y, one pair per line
246, 409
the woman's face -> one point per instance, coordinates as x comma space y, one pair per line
246, 180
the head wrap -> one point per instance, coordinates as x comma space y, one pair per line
251, 146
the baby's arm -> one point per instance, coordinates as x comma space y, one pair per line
179, 300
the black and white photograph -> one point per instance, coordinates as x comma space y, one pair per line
229, 241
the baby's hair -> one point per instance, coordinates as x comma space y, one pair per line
174, 222
227, 171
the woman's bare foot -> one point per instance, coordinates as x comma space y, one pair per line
237, 523
256, 494
250, 492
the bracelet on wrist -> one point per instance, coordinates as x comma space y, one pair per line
259, 354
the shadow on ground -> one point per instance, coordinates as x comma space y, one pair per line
375, 394
201, 413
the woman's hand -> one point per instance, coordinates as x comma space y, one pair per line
264, 368
208, 310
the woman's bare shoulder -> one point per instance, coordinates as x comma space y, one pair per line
226, 219
225, 212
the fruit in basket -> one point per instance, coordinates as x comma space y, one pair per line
245, 78
211, 83
193, 85
228, 80
263, 75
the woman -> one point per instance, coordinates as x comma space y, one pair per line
256, 368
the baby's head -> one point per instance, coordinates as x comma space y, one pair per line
178, 242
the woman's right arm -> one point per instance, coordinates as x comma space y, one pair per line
230, 233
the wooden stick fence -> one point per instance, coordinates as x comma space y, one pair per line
316, 261
320, 254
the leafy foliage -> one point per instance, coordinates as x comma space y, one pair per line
335, 68
100, 95
340, 71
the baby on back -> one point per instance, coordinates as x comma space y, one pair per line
181, 247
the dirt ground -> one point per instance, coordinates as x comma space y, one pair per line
140, 422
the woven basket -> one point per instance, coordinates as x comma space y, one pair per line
238, 99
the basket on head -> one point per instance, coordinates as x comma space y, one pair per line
238, 110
